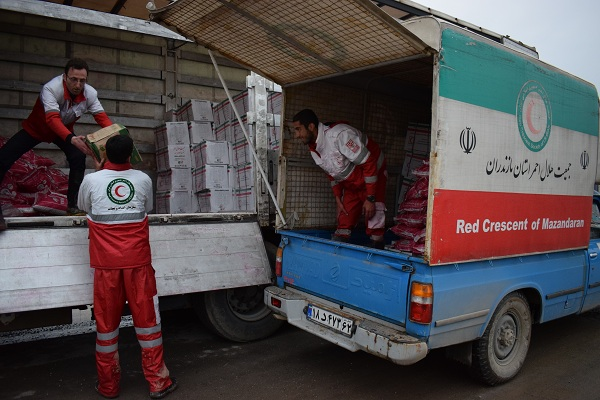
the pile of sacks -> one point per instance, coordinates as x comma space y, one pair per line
412, 214
32, 187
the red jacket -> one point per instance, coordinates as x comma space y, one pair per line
351, 160
117, 200
55, 112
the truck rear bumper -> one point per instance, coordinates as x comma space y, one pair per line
368, 336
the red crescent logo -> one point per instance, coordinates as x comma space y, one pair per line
530, 125
117, 191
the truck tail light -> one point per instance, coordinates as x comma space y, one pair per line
278, 259
275, 302
421, 303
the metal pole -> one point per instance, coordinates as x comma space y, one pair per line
237, 115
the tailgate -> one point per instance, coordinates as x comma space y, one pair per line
294, 41
371, 281
49, 266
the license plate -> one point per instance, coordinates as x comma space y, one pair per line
331, 320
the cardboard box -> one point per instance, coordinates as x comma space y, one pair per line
412, 162
174, 202
200, 131
171, 115
241, 152
243, 175
418, 139
176, 156
171, 133
243, 103
222, 112
245, 198
212, 176
174, 180
238, 132
97, 142
224, 132
197, 110
212, 152
216, 200
274, 102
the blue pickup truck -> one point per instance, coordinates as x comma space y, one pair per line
512, 147
398, 307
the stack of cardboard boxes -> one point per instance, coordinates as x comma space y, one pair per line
173, 162
212, 176
242, 161
204, 159
188, 126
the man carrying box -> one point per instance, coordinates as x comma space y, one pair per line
62, 101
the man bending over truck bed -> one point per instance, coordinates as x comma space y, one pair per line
60, 104
356, 168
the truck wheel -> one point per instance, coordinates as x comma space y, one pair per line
237, 314
500, 353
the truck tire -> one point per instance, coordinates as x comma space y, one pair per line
500, 353
237, 314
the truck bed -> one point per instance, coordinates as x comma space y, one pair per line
372, 281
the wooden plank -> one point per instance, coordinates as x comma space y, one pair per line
23, 113
69, 37
59, 62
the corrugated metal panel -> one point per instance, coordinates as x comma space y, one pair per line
294, 41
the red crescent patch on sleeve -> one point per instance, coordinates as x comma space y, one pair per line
352, 146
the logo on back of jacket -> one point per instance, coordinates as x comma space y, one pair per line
120, 191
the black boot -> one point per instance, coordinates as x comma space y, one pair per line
75, 179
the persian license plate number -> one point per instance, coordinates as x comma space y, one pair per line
331, 320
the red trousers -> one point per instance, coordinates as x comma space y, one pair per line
353, 199
137, 286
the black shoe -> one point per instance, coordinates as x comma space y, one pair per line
103, 395
163, 393
2, 222
377, 244
74, 211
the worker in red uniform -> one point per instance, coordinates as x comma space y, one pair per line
117, 199
356, 168
62, 101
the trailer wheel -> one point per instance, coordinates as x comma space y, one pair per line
500, 353
237, 314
